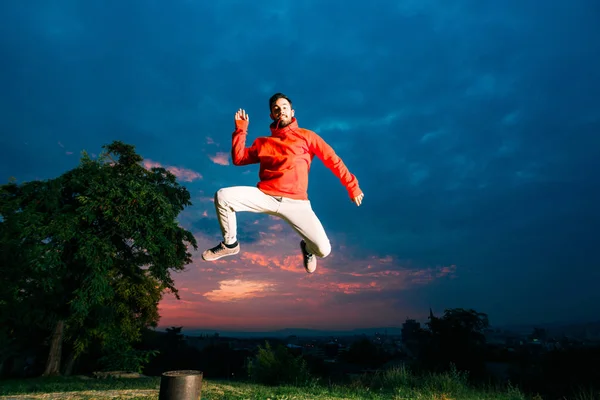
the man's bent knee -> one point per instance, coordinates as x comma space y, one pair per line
222, 196
323, 249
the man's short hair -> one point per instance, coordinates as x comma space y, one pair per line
276, 97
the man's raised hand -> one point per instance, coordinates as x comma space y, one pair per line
241, 115
358, 199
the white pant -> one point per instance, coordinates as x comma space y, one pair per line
298, 213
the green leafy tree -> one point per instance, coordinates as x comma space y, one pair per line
93, 251
456, 340
366, 353
274, 366
26, 298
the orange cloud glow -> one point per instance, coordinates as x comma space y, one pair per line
265, 286
186, 175
220, 158
238, 289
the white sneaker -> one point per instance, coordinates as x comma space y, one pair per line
310, 260
220, 251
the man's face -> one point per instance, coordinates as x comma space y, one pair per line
282, 110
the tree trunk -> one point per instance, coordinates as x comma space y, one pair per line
53, 363
70, 364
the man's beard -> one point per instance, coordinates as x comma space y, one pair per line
282, 123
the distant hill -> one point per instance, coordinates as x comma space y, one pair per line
283, 333
572, 329
575, 330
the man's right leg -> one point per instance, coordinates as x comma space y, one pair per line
315, 243
234, 199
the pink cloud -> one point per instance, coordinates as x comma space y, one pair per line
289, 263
428, 275
386, 260
186, 175
239, 289
348, 287
267, 239
266, 286
221, 158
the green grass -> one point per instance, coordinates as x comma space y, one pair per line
394, 384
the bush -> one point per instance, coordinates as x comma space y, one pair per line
399, 376
130, 359
278, 366
454, 382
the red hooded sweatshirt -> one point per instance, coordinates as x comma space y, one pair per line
285, 159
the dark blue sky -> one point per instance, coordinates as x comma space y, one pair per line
472, 126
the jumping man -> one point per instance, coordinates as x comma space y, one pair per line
285, 159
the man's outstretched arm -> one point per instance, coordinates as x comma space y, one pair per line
240, 154
332, 161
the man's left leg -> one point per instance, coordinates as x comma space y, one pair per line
228, 202
315, 243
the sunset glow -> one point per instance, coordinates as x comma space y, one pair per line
472, 128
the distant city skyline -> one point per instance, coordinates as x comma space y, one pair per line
583, 330
472, 128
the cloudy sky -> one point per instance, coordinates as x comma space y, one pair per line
473, 127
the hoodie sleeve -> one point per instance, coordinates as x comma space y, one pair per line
327, 155
240, 154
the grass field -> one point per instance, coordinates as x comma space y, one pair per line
393, 385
